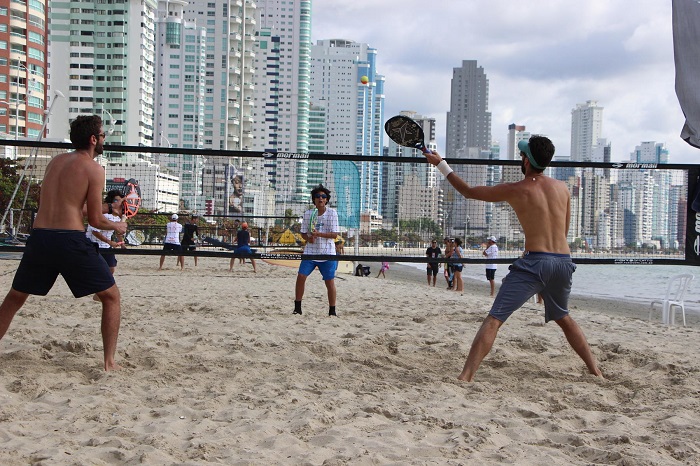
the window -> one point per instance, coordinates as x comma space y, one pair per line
36, 37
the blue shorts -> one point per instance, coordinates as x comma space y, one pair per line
538, 272
327, 268
66, 252
245, 249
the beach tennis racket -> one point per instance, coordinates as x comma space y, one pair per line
132, 198
406, 132
135, 238
312, 220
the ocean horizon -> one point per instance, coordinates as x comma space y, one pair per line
633, 283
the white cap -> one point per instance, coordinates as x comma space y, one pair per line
491, 238
174, 217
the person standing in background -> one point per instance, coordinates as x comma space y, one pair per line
172, 241
189, 232
433, 267
491, 252
243, 246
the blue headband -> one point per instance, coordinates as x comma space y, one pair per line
524, 147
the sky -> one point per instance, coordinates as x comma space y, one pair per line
542, 58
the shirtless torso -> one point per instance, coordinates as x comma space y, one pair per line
72, 179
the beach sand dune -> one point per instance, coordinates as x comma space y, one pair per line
216, 369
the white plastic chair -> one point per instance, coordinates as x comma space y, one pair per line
675, 294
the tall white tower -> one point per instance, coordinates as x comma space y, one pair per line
586, 129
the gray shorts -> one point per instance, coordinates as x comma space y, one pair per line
537, 272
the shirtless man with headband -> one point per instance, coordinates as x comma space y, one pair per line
543, 207
58, 244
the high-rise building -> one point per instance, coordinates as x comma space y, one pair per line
468, 136
586, 129
23, 53
281, 111
180, 99
229, 56
344, 82
650, 152
469, 119
102, 57
228, 118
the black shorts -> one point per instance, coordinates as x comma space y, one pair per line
490, 274
172, 247
432, 269
66, 252
188, 245
109, 257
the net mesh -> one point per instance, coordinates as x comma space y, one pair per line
389, 208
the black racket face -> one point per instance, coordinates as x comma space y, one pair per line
405, 132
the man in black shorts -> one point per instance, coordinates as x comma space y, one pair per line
57, 244
189, 232
433, 252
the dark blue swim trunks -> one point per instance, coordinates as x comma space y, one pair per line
66, 252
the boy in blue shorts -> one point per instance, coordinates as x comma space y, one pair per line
319, 240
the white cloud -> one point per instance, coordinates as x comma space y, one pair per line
542, 58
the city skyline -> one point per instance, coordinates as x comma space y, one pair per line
604, 51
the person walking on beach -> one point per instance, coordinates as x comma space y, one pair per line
57, 244
189, 231
449, 276
491, 252
319, 240
383, 268
243, 246
543, 207
172, 241
433, 267
458, 253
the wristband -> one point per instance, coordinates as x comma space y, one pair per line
444, 168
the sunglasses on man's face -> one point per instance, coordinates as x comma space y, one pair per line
321, 196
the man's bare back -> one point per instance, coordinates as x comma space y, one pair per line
71, 179
542, 205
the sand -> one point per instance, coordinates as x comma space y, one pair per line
216, 369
